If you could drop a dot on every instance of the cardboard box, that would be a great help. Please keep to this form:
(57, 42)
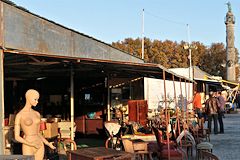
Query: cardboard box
(51, 131)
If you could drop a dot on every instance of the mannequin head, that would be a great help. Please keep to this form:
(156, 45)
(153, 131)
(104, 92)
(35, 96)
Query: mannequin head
(32, 97)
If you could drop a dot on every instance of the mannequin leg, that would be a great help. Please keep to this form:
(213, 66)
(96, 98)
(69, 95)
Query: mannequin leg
(38, 153)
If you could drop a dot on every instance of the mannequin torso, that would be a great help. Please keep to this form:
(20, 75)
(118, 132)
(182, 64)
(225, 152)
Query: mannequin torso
(29, 121)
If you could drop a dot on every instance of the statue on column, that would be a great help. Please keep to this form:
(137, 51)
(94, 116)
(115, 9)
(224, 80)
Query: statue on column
(28, 120)
(229, 6)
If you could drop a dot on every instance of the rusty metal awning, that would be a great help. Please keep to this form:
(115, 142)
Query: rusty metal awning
(28, 66)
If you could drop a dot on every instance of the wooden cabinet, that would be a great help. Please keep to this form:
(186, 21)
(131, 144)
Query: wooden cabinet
(137, 111)
(88, 126)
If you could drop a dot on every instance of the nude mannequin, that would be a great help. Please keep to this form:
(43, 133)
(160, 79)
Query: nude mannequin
(29, 121)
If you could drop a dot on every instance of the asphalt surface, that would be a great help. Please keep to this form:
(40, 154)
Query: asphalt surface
(227, 146)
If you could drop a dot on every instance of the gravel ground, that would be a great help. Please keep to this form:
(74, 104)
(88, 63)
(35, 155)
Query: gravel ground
(227, 146)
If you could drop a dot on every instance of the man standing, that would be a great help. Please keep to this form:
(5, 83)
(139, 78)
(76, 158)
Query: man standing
(212, 108)
(221, 111)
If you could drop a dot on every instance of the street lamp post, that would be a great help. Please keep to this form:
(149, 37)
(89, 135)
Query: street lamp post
(143, 35)
(189, 47)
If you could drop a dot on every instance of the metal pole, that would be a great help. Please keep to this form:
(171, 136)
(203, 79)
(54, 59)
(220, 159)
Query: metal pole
(166, 113)
(72, 104)
(190, 52)
(182, 104)
(190, 63)
(1, 103)
(143, 34)
(190, 47)
(108, 101)
(186, 95)
(174, 88)
(2, 137)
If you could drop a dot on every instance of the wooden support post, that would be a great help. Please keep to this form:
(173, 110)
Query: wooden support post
(1, 103)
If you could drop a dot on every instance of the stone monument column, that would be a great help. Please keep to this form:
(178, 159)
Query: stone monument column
(230, 67)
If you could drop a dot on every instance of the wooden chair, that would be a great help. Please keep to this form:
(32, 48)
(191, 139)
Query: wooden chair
(186, 141)
(175, 152)
(203, 146)
(205, 155)
(140, 152)
(65, 129)
(66, 147)
(204, 134)
(112, 130)
(67, 144)
(200, 134)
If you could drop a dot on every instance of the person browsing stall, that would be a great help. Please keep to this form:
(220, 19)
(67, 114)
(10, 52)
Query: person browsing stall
(221, 111)
(212, 109)
(197, 106)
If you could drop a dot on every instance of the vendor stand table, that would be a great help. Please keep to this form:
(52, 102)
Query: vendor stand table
(99, 153)
(142, 140)
(14, 157)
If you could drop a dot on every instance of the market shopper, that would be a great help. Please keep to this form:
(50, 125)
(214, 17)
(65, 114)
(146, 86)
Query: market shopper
(197, 106)
(212, 108)
(28, 120)
(221, 111)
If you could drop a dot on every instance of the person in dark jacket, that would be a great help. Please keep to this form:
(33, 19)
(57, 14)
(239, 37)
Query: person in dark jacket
(221, 111)
(212, 109)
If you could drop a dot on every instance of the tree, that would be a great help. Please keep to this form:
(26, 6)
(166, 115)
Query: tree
(171, 54)
(214, 60)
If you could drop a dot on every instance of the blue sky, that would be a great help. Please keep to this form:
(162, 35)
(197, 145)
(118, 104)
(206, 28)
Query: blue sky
(113, 20)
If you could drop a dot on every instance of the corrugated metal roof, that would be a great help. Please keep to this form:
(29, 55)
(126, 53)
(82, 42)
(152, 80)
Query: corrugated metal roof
(26, 10)
(198, 73)
(146, 69)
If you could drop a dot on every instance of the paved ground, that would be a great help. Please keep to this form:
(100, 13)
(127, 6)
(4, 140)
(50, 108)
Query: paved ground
(227, 146)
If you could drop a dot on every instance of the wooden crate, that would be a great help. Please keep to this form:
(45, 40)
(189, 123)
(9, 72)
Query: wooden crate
(51, 131)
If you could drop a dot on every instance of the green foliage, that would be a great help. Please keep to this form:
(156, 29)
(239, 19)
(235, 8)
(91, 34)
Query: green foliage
(214, 60)
(211, 59)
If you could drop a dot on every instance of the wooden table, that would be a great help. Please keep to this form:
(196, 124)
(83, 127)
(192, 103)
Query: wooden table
(139, 145)
(140, 142)
(99, 153)
(13, 157)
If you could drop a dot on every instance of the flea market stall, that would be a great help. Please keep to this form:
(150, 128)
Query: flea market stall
(39, 53)
(76, 75)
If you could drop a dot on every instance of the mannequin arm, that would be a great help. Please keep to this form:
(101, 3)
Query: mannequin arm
(50, 144)
(42, 138)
